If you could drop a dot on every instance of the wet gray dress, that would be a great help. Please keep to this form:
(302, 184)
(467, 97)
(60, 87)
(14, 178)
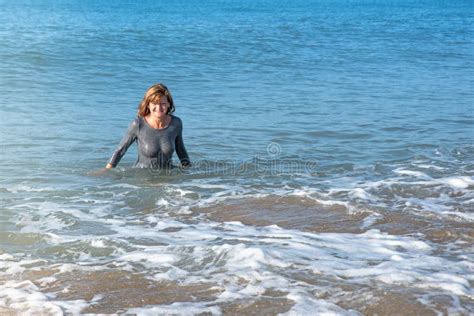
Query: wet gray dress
(155, 146)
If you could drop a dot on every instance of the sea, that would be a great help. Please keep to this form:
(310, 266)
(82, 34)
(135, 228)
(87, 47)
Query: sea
(332, 144)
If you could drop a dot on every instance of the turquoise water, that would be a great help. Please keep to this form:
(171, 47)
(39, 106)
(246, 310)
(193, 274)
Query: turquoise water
(360, 110)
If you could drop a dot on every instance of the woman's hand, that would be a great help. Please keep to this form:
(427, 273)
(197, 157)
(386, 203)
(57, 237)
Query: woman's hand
(100, 171)
(186, 165)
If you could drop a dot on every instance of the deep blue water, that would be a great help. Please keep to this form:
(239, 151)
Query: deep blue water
(243, 74)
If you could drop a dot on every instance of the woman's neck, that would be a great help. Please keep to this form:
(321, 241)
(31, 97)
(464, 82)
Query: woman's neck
(158, 122)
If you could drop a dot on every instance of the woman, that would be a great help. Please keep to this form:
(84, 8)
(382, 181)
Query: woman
(157, 132)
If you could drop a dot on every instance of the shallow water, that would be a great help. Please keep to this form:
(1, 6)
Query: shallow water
(332, 145)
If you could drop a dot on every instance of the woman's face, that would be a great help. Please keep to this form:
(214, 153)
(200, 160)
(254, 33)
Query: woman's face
(159, 107)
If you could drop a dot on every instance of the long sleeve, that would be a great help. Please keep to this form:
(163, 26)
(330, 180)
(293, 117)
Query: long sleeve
(127, 140)
(180, 149)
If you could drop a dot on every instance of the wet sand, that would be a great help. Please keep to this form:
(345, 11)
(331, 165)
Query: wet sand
(305, 214)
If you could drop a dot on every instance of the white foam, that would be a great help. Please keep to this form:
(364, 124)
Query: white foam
(152, 219)
(151, 256)
(15, 269)
(458, 182)
(162, 202)
(416, 174)
(97, 298)
(425, 166)
(456, 206)
(396, 278)
(184, 308)
(27, 188)
(370, 220)
(70, 267)
(119, 186)
(243, 262)
(305, 304)
(359, 193)
(98, 243)
(12, 265)
(6, 256)
(46, 280)
(72, 307)
(25, 298)
(252, 258)
(435, 205)
(401, 260)
(253, 290)
(173, 273)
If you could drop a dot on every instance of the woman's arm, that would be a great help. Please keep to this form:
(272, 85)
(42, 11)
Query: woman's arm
(127, 140)
(180, 149)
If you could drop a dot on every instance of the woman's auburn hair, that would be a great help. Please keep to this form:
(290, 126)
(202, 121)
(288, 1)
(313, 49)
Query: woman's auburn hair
(154, 93)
